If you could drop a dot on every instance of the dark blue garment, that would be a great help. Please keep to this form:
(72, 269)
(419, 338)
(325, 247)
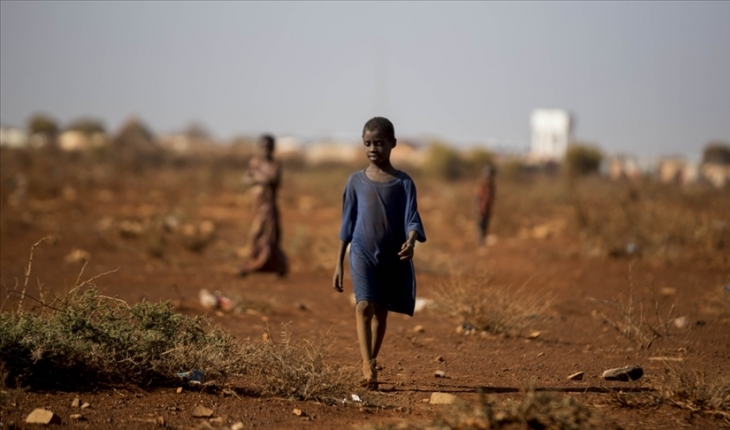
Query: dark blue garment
(376, 219)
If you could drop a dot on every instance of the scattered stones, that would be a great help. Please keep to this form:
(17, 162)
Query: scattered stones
(237, 426)
(42, 416)
(76, 403)
(534, 335)
(626, 373)
(201, 411)
(442, 399)
(298, 412)
(418, 329)
(77, 417)
(86, 405)
(578, 376)
(440, 374)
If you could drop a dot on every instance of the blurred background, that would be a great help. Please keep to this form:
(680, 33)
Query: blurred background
(641, 79)
(606, 122)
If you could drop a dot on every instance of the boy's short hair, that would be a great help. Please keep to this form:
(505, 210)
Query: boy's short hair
(381, 124)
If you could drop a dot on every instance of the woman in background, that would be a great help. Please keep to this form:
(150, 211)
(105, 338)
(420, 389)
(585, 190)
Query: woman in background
(264, 176)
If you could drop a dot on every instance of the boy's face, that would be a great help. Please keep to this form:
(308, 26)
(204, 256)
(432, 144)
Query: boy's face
(377, 146)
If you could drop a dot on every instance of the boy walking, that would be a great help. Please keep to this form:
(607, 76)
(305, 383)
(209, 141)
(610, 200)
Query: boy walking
(380, 222)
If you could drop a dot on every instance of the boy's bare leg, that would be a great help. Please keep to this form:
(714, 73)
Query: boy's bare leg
(380, 321)
(364, 312)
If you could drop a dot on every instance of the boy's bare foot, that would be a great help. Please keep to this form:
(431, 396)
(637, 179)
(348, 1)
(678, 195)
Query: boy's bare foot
(370, 376)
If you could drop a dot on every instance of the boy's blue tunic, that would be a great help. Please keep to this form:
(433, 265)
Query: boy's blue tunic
(376, 219)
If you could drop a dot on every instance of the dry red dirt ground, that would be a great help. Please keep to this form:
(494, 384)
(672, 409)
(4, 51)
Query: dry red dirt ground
(572, 339)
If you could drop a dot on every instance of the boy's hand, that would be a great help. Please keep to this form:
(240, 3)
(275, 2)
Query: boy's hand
(406, 251)
(337, 279)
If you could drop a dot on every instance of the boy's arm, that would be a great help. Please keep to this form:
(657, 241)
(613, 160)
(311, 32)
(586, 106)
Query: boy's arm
(337, 279)
(407, 249)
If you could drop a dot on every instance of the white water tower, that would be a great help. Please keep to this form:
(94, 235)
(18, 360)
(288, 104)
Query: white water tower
(552, 132)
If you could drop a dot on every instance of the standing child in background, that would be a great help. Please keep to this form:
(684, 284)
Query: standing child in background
(484, 200)
(264, 177)
(380, 221)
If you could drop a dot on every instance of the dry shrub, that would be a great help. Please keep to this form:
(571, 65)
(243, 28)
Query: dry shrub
(641, 320)
(84, 339)
(87, 339)
(694, 391)
(477, 301)
(297, 367)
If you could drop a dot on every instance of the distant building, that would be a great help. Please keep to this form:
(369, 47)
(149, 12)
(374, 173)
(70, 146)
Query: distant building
(716, 174)
(333, 152)
(623, 166)
(408, 153)
(13, 137)
(289, 147)
(677, 170)
(552, 132)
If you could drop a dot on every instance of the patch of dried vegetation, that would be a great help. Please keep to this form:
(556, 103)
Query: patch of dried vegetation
(476, 300)
(640, 319)
(694, 391)
(298, 368)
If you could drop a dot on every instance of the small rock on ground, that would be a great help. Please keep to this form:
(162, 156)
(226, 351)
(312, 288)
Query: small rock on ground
(201, 411)
(442, 399)
(578, 376)
(440, 374)
(86, 405)
(42, 416)
(626, 373)
(237, 426)
(76, 403)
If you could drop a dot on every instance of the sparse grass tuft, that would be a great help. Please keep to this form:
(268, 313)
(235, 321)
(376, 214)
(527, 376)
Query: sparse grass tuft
(694, 391)
(640, 320)
(475, 300)
(298, 367)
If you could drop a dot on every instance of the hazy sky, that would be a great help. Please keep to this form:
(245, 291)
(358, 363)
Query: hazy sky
(643, 77)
